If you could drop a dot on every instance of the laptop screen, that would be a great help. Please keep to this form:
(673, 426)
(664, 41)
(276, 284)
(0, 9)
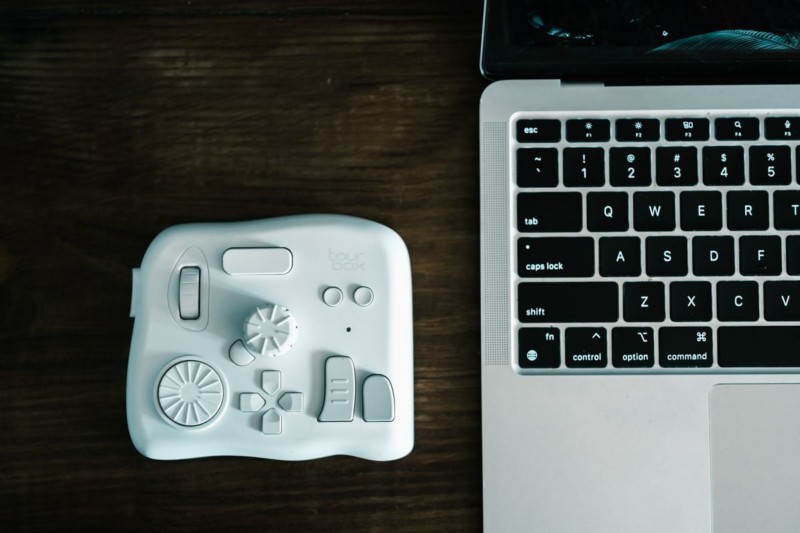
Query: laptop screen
(635, 39)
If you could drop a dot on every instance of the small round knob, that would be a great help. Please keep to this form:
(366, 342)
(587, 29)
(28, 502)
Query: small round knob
(270, 330)
(190, 393)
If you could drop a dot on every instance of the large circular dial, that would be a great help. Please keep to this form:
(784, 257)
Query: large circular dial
(270, 330)
(190, 393)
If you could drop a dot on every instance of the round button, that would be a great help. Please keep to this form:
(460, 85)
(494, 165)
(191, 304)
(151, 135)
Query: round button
(190, 393)
(270, 330)
(332, 296)
(363, 296)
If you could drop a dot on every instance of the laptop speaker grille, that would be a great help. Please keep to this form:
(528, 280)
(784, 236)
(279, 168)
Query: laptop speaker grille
(494, 244)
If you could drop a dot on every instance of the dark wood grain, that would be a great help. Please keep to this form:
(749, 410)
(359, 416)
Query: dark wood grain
(118, 119)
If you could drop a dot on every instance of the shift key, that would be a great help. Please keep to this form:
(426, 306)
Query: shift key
(581, 301)
(542, 212)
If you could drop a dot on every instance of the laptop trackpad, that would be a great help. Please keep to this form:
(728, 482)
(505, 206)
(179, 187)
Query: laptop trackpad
(755, 457)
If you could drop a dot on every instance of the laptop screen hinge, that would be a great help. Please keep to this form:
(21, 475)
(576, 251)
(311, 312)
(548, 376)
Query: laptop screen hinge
(582, 83)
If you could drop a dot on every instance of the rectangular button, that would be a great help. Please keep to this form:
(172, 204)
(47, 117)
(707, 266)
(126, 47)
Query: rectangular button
(549, 212)
(273, 261)
(782, 128)
(686, 129)
(754, 346)
(189, 293)
(687, 347)
(736, 129)
(538, 131)
(539, 348)
(588, 130)
(588, 301)
(556, 257)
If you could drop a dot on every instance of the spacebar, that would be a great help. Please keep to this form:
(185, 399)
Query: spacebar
(583, 301)
(751, 346)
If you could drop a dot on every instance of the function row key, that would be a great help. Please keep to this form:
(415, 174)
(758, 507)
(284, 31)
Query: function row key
(648, 129)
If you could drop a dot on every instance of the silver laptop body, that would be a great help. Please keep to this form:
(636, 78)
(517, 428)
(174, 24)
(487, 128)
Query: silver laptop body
(678, 445)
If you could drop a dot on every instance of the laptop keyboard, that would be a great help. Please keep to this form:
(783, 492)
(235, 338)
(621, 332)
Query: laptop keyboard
(655, 242)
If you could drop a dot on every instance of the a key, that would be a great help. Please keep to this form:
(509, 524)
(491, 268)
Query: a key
(760, 256)
(793, 255)
(629, 167)
(736, 129)
(584, 167)
(787, 209)
(620, 256)
(643, 301)
(737, 301)
(555, 257)
(539, 348)
(666, 256)
(676, 166)
(748, 210)
(588, 130)
(701, 211)
(632, 347)
(686, 129)
(782, 128)
(690, 301)
(723, 165)
(585, 348)
(685, 347)
(572, 301)
(537, 167)
(654, 211)
(538, 131)
(770, 165)
(637, 129)
(607, 211)
(544, 212)
(782, 300)
(713, 256)
(758, 346)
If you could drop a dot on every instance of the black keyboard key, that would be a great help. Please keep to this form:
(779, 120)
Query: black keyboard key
(537, 167)
(629, 167)
(736, 129)
(584, 167)
(539, 348)
(543, 212)
(607, 211)
(686, 129)
(556, 257)
(585, 348)
(538, 131)
(760, 256)
(737, 301)
(685, 347)
(588, 130)
(770, 165)
(723, 165)
(701, 211)
(690, 301)
(782, 300)
(787, 209)
(713, 256)
(643, 301)
(620, 256)
(654, 211)
(637, 129)
(666, 256)
(569, 301)
(782, 128)
(748, 210)
(676, 166)
(758, 346)
(632, 347)
(793, 255)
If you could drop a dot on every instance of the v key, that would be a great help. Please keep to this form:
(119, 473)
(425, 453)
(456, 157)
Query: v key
(782, 300)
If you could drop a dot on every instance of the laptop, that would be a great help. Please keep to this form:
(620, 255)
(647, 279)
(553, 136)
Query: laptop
(640, 266)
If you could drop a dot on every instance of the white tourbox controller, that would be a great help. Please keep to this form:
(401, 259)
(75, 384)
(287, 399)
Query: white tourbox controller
(289, 338)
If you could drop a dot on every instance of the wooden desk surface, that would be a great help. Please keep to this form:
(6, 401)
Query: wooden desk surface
(119, 119)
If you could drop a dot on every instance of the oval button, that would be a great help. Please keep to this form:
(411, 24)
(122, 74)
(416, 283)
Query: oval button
(257, 261)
